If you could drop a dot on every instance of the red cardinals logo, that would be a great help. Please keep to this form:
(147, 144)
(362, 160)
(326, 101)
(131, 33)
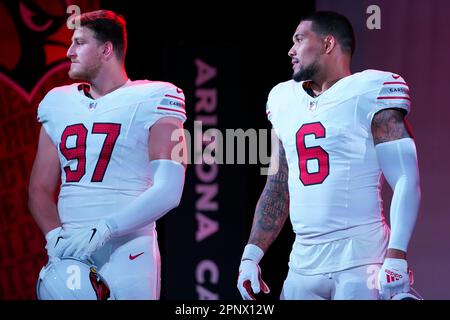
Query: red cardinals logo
(34, 39)
(99, 285)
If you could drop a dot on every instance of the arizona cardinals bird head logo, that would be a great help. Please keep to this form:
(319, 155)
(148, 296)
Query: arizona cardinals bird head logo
(34, 38)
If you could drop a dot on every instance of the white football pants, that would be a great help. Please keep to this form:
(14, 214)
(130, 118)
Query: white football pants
(359, 283)
(131, 265)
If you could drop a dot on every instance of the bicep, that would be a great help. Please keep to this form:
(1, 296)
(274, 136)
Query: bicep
(167, 140)
(278, 164)
(388, 125)
(46, 170)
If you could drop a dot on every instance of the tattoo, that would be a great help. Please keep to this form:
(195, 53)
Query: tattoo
(389, 125)
(272, 209)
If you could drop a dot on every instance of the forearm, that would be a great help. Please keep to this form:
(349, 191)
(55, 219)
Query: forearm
(272, 209)
(44, 181)
(404, 208)
(44, 210)
(398, 161)
(397, 157)
(271, 213)
(164, 195)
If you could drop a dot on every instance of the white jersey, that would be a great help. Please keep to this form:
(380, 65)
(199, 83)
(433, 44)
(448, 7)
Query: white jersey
(103, 144)
(334, 177)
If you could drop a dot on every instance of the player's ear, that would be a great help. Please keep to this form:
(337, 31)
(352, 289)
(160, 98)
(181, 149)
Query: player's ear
(108, 50)
(329, 43)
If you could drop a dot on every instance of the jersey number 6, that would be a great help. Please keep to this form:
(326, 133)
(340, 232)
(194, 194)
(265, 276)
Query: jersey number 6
(78, 152)
(306, 154)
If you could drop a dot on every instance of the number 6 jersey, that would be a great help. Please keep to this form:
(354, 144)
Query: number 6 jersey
(103, 144)
(334, 177)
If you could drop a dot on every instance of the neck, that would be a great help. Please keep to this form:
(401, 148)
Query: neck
(324, 80)
(107, 81)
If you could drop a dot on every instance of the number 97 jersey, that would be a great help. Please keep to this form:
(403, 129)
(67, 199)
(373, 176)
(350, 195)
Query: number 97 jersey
(103, 144)
(334, 177)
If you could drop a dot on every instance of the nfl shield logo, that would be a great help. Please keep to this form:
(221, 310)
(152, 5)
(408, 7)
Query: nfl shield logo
(313, 105)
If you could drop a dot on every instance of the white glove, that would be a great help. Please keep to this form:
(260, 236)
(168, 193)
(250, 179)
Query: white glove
(83, 242)
(249, 279)
(55, 243)
(393, 278)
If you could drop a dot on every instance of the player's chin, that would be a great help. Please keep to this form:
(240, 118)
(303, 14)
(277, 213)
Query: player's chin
(297, 75)
(75, 74)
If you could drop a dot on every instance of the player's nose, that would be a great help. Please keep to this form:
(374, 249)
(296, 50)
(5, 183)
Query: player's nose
(292, 52)
(70, 52)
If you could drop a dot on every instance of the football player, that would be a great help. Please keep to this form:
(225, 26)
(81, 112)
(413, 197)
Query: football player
(109, 141)
(339, 133)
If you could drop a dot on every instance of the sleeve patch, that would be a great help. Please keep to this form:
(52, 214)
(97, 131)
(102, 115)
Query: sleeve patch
(394, 90)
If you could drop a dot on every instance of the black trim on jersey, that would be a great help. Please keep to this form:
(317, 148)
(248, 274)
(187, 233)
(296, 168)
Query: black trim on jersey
(308, 89)
(403, 110)
(86, 89)
(304, 144)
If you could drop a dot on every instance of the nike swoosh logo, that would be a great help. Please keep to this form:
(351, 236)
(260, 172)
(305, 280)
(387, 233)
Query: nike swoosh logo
(395, 77)
(94, 231)
(57, 240)
(134, 257)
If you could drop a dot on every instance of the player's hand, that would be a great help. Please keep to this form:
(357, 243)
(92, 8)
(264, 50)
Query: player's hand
(393, 278)
(250, 281)
(85, 241)
(56, 243)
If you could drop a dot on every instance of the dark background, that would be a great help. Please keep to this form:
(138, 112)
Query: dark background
(248, 48)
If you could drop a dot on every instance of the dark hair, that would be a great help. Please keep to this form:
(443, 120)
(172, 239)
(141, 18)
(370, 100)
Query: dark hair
(335, 24)
(107, 26)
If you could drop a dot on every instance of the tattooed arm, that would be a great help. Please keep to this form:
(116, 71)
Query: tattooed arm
(398, 161)
(272, 209)
(271, 212)
(388, 125)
